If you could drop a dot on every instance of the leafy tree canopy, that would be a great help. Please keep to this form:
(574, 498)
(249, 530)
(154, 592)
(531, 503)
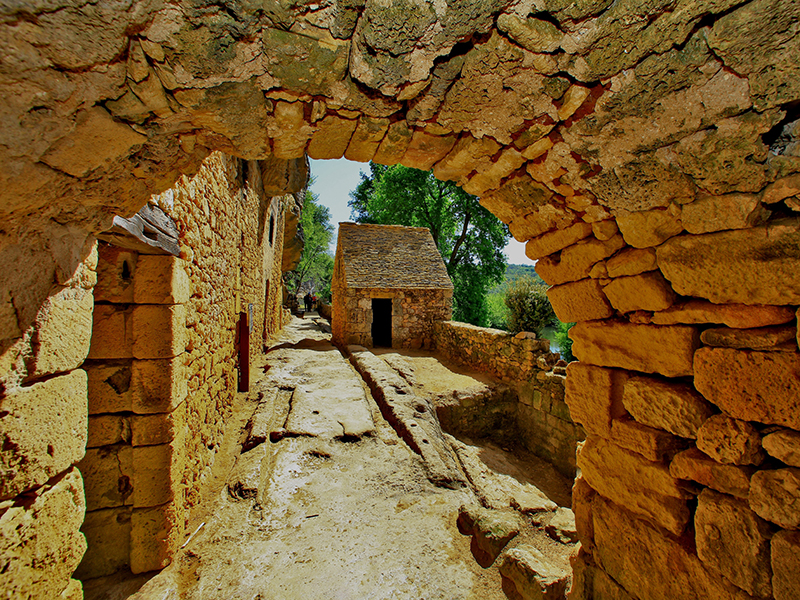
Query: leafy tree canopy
(314, 272)
(469, 237)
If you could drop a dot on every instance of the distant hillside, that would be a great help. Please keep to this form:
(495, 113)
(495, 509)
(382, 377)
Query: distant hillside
(514, 272)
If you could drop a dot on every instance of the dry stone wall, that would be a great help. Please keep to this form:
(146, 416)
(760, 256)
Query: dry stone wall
(524, 363)
(646, 152)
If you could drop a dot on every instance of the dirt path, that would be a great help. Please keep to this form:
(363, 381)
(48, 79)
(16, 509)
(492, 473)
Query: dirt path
(327, 502)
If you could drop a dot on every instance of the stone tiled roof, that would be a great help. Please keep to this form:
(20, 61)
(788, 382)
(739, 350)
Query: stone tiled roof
(390, 256)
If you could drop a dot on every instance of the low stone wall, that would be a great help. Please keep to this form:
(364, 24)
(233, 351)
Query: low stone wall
(525, 364)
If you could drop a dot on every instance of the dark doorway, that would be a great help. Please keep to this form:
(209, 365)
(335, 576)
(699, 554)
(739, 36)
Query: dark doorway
(382, 322)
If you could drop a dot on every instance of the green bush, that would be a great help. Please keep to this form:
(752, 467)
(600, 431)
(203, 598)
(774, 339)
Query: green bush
(564, 341)
(528, 307)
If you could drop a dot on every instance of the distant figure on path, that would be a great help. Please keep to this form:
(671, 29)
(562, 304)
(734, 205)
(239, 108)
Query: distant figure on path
(307, 300)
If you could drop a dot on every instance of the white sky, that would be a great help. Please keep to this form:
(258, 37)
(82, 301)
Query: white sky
(335, 179)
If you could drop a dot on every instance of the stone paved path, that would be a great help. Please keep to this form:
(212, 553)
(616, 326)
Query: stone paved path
(332, 505)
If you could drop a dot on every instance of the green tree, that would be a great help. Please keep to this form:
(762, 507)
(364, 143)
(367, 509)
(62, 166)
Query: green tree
(564, 341)
(469, 237)
(314, 272)
(528, 306)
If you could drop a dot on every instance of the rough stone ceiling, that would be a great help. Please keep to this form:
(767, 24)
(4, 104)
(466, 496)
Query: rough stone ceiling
(552, 111)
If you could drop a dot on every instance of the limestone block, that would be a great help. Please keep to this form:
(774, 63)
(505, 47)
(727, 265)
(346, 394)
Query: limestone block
(425, 150)
(489, 176)
(572, 100)
(366, 139)
(555, 241)
(112, 332)
(760, 338)
(648, 348)
(160, 279)
(582, 496)
(594, 396)
(73, 591)
(650, 227)
(40, 539)
(783, 445)
(605, 230)
(157, 472)
(466, 153)
(648, 291)
(786, 565)
(654, 444)
(752, 386)
(61, 333)
(649, 564)
(159, 331)
(734, 542)
(644, 487)
(693, 465)
(290, 129)
(105, 430)
(331, 138)
(775, 496)
(740, 316)
(491, 531)
(532, 575)
(155, 535)
(108, 535)
(748, 266)
(116, 268)
(717, 213)
(108, 476)
(532, 34)
(158, 428)
(781, 189)
(730, 441)
(43, 431)
(582, 300)
(394, 144)
(668, 405)
(157, 386)
(575, 262)
(109, 386)
(632, 261)
(97, 138)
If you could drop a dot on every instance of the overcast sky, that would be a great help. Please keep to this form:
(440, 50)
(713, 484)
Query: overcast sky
(335, 179)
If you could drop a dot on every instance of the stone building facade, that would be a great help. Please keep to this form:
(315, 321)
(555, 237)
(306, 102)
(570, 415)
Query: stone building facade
(389, 286)
(658, 188)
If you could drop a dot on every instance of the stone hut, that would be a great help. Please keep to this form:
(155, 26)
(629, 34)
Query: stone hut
(389, 286)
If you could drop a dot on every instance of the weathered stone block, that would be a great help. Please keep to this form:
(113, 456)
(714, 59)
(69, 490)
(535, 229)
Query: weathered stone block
(693, 465)
(40, 542)
(717, 213)
(644, 487)
(761, 338)
(582, 300)
(752, 386)
(730, 441)
(734, 542)
(112, 332)
(331, 138)
(157, 386)
(532, 576)
(159, 331)
(109, 387)
(108, 535)
(425, 150)
(650, 564)
(61, 333)
(748, 266)
(668, 405)
(116, 268)
(157, 472)
(649, 348)
(158, 428)
(160, 279)
(650, 227)
(108, 476)
(105, 430)
(582, 496)
(783, 445)
(786, 565)
(576, 261)
(43, 431)
(632, 261)
(394, 144)
(594, 396)
(557, 240)
(366, 138)
(648, 291)
(733, 315)
(654, 444)
(155, 535)
(775, 496)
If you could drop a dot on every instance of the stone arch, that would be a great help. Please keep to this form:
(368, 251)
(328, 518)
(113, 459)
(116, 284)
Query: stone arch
(645, 153)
